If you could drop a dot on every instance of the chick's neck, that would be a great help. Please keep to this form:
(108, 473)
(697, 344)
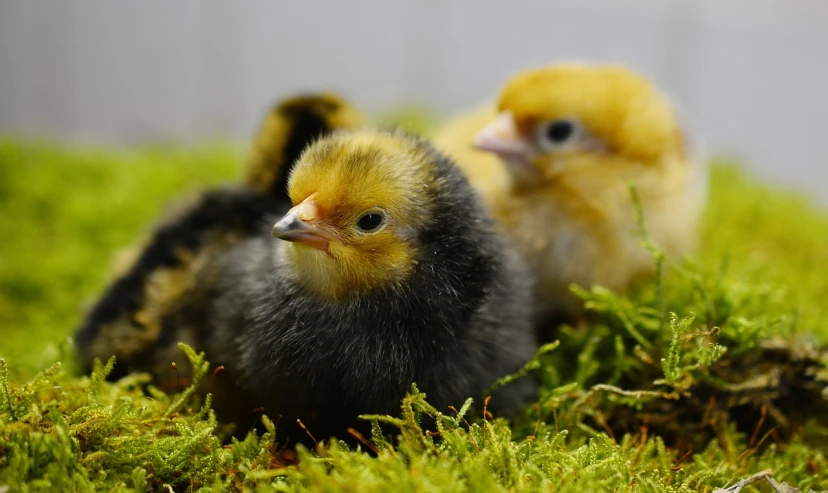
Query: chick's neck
(345, 273)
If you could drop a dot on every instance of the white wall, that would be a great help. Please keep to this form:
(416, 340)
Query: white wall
(751, 76)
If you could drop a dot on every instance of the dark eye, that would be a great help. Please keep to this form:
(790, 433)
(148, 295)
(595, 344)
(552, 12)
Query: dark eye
(559, 131)
(371, 221)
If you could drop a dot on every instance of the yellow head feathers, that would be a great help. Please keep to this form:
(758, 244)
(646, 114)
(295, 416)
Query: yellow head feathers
(617, 106)
(353, 172)
(359, 199)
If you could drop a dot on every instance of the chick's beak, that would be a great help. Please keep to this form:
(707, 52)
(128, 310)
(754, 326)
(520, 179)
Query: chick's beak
(502, 137)
(297, 226)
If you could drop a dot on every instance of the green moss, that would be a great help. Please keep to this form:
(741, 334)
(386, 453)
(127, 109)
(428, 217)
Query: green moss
(78, 434)
(712, 374)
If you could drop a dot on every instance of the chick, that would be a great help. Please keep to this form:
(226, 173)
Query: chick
(569, 139)
(126, 321)
(385, 272)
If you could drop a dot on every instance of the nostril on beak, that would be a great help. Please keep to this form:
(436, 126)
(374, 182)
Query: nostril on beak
(285, 225)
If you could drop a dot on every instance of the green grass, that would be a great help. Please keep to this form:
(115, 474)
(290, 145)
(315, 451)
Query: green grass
(640, 401)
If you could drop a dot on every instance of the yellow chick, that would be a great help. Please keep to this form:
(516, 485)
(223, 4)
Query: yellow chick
(553, 159)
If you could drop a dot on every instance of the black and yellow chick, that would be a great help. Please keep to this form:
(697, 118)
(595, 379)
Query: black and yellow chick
(127, 320)
(386, 272)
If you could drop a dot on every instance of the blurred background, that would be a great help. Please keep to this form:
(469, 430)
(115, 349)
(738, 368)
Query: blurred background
(749, 76)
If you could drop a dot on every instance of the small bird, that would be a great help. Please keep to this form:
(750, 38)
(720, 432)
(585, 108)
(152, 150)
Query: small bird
(127, 320)
(385, 272)
(553, 159)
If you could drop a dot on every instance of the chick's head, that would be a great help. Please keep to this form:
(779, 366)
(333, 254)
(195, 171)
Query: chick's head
(288, 128)
(359, 201)
(563, 117)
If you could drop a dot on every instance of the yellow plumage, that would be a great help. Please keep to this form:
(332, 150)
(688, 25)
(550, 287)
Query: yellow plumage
(553, 159)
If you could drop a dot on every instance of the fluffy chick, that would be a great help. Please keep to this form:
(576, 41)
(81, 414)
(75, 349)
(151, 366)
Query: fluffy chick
(127, 320)
(385, 272)
(553, 159)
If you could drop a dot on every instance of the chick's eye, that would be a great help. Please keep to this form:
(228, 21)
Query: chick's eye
(370, 221)
(560, 131)
(557, 133)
